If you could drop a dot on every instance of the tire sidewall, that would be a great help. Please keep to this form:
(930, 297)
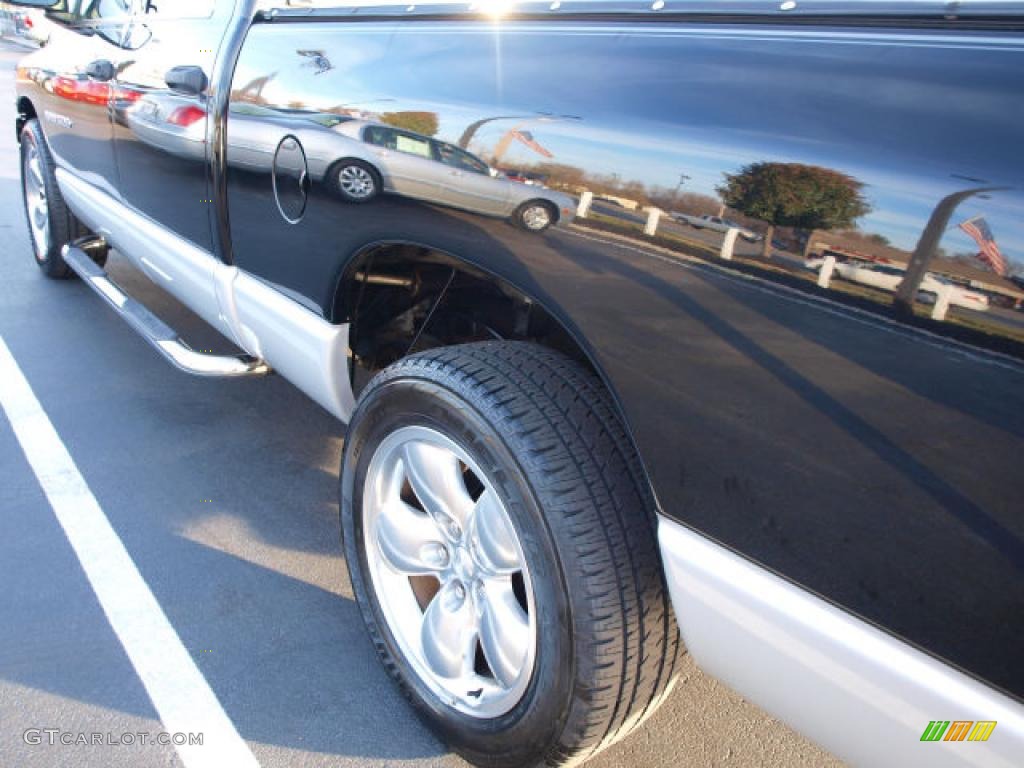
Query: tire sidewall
(539, 716)
(29, 141)
(51, 261)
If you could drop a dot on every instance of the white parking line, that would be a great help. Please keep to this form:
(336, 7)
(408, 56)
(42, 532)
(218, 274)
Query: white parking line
(178, 690)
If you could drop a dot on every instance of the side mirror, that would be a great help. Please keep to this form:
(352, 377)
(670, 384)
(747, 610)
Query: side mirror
(136, 37)
(188, 80)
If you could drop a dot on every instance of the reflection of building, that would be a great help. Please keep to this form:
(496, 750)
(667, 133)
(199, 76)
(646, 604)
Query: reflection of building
(956, 271)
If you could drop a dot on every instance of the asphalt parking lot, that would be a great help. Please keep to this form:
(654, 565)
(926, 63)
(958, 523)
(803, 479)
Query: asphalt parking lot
(224, 497)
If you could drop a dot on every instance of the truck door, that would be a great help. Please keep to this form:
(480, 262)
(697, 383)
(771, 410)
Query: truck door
(159, 109)
(75, 73)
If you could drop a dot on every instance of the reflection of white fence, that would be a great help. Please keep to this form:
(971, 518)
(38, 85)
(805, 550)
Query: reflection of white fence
(825, 273)
(942, 302)
(728, 243)
(653, 216)
(586, 199)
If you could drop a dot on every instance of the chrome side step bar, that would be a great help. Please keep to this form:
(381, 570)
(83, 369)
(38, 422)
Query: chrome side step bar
(161, 336)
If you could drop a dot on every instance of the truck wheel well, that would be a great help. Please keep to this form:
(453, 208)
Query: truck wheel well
(401, 298)
(26, 112)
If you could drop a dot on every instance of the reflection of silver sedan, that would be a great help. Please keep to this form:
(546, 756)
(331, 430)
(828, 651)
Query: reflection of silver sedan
(168, 122)
(358, 160)
(716, 223)
(395, 160)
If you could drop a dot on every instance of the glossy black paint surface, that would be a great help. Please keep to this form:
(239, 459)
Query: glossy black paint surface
(72, 106)
(160, 134)
(132, 135)
(873, 465)
(866, 463)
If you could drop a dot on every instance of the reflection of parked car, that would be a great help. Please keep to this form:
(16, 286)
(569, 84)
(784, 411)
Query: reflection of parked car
(396, 160)
(30, 25)
(165, 121)
(359, 159)
(888, 278)
(718, 224)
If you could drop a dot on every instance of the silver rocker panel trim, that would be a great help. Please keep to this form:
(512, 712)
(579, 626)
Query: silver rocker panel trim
(300, 345)
(857, 691)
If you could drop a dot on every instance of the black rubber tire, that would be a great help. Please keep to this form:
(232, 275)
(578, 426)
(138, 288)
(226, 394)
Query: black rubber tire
(517, 217)
(335, 173)
(545, 432)
(63, 227)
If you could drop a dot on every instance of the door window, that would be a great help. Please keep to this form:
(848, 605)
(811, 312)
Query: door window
(399, 141)
(464, 161)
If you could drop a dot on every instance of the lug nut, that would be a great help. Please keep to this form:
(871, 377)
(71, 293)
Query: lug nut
(436, 554)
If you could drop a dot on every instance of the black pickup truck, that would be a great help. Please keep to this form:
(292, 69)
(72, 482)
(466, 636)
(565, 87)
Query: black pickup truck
(576, 447)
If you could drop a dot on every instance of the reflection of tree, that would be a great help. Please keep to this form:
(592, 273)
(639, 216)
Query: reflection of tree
(424, 123)
(794, 195)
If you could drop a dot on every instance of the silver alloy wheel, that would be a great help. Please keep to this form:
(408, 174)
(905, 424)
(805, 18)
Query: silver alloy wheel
(448, 571)
(356, 181)
(536, 217)
(35, 202)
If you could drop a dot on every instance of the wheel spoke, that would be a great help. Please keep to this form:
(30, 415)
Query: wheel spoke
(36, 173)
(409, 540)
(448, 571)
(504, 631)
(449, 633)
(436, 479)
(493, 539)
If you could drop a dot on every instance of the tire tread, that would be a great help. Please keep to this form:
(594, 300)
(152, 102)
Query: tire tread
(576, 453)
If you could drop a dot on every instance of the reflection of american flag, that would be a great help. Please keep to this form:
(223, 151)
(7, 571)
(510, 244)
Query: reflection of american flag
(989, 253)
(527, 138)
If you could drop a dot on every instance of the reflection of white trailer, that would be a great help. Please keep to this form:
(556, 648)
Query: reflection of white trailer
(888, 278)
